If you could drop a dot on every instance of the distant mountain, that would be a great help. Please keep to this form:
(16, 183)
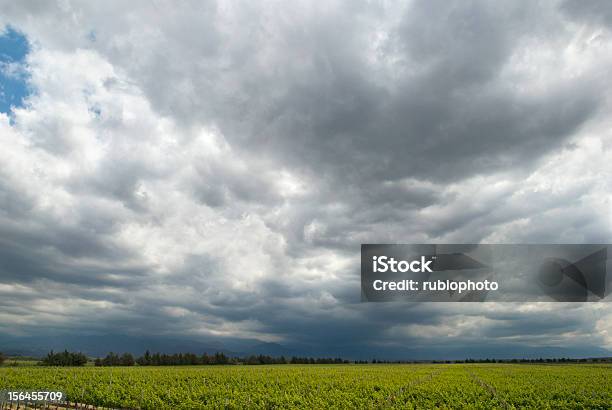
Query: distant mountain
(476, 352)
(100, 345)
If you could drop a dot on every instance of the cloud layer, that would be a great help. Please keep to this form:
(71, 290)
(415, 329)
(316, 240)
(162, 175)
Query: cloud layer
(208, 170)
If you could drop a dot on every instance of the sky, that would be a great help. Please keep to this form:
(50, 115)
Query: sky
(203, 173)
(13, 80)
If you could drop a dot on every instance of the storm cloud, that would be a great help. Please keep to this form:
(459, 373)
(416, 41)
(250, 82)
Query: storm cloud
(208, 170)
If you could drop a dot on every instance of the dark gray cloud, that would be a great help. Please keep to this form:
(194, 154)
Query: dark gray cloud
(316, 97)
(207, 171)
(591, 11)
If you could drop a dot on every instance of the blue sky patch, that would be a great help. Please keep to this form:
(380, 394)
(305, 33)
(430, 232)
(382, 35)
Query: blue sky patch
(13, 78)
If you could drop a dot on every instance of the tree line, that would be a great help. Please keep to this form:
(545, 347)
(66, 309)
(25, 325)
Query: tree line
(64, 358)
(524, 361)
(67, 358)
(219, 358)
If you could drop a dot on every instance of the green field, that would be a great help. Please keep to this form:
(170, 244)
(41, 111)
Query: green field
(326, 386)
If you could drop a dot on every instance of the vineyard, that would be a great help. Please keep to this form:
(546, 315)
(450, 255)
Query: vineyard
(325, 386)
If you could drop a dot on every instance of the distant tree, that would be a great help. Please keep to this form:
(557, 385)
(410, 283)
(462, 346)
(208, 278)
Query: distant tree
(127, 360)
(2, 357)
(112, 359)
(205, 359)
(144, 360)
(65, 358)
(220, 358)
